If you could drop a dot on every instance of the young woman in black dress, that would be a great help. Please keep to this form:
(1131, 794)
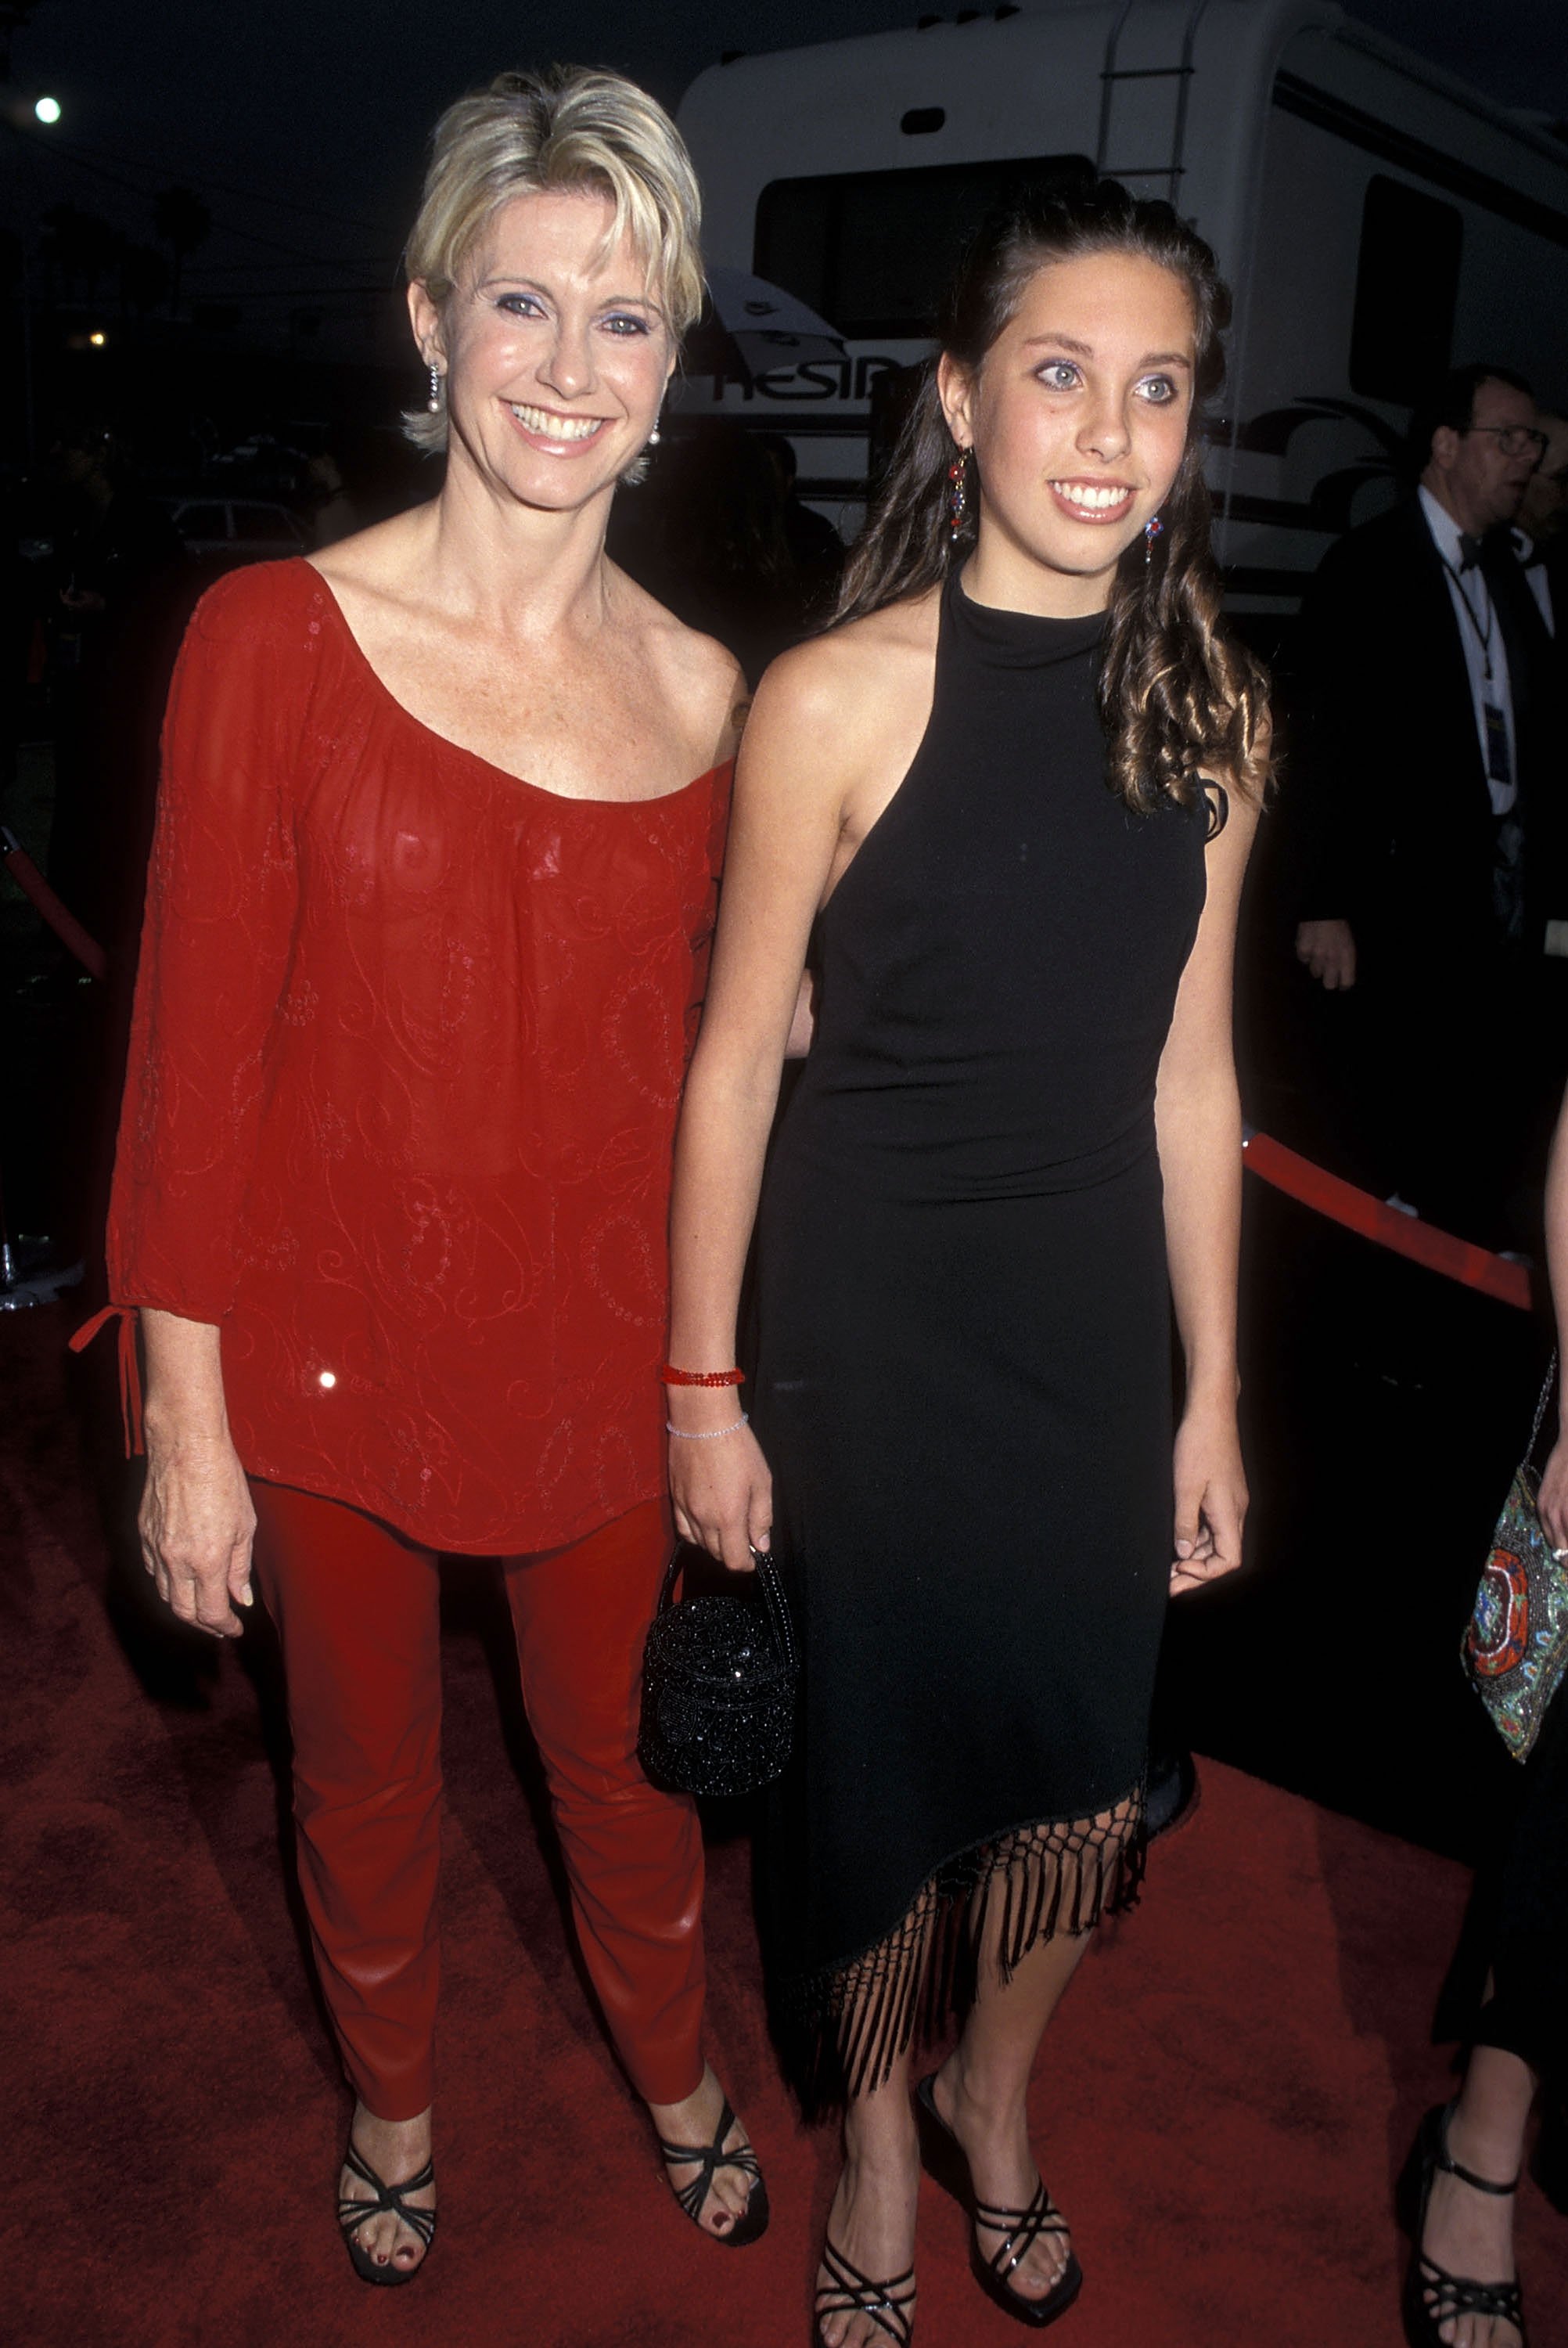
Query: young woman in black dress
(1002, 810)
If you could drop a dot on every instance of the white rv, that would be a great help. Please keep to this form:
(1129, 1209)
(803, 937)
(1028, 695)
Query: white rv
(1378, 221)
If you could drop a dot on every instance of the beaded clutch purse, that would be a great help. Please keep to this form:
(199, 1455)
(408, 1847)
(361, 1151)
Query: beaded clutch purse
(719, 1676)
(1515, 1646)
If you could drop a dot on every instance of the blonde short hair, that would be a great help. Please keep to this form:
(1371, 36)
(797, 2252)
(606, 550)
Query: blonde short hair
(569, 127)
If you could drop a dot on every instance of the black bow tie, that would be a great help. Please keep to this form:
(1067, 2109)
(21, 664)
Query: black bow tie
(1470, 551)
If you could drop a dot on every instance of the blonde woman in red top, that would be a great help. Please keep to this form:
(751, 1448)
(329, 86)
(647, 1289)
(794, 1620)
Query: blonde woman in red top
(430, 903)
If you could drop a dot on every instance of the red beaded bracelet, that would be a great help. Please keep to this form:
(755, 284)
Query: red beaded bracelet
(671, 1377)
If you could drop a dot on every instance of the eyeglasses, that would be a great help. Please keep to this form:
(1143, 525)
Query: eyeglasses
(1515, 439)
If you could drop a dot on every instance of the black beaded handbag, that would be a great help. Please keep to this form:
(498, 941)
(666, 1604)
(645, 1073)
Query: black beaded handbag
(719, 1681)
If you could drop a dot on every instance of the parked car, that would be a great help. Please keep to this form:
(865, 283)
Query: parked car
(235, 530)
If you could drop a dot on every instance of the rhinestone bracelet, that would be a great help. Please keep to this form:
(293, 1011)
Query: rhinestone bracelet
(707, 1434)
(671, 1377)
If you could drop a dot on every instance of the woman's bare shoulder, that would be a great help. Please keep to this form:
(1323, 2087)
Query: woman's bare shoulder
(382, 559)
(698, 662)
(703, 677)
(852, 675)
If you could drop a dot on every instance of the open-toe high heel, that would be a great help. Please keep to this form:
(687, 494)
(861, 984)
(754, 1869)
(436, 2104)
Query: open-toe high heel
(352, 2215)
(848, 2291)
(1432, 2295)
(710, 2158)
(1019, 2229)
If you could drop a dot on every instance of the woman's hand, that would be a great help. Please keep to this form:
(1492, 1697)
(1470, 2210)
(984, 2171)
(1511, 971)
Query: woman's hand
(197, 1524)
(1551, 1503)
(724, 1494)
(1328, 951)
(1211, 1497)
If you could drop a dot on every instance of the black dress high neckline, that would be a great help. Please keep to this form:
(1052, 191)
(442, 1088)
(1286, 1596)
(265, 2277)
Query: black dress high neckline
(1004, 639)
(963, 1387)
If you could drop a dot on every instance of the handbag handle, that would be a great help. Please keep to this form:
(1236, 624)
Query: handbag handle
(1541, 1410)
(775, 1605)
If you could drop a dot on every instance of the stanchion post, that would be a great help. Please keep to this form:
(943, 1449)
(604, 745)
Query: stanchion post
(9, 1282)
(18, 1290)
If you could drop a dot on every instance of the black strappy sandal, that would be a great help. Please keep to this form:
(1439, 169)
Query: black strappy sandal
(352, 2215)
(754, 2225)
(848, 2291)
(1432, 2295)
(1020, 2229)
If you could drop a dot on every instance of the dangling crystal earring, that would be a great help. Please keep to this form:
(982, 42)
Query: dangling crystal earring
(1152, 529)
(433, 403)
(957, 492)
(653, 437)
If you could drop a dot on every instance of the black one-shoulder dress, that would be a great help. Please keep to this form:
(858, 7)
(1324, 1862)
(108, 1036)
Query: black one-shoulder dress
(964, 1377)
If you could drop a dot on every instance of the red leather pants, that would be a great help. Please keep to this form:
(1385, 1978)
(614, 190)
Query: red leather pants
(355, 1606)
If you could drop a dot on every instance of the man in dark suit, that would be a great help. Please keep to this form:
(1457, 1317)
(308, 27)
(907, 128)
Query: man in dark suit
(1541, 541)
(1423, 724)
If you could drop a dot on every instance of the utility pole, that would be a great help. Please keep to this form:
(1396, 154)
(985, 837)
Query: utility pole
(14, 14)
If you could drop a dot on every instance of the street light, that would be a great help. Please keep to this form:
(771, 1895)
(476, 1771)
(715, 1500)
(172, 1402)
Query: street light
(47, 109)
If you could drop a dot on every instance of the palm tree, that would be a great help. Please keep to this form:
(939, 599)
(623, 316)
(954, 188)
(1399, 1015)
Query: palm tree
(183, 223)
(145, 277)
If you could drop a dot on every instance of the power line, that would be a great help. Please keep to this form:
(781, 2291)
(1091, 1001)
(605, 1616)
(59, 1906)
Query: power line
(220, 187)
(82, 159)
(305, 293)
(206, 269)
(254, 196)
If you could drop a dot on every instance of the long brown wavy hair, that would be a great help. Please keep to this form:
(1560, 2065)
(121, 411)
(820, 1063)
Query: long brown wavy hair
(1181, 698)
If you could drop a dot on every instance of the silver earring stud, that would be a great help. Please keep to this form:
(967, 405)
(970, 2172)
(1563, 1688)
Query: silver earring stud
(433, 403)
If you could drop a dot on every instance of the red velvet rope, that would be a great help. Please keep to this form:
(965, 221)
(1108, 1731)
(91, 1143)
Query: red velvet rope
(66, 926)
(1406, 1235)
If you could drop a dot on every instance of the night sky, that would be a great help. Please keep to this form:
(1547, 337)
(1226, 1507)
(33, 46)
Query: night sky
(302, 122)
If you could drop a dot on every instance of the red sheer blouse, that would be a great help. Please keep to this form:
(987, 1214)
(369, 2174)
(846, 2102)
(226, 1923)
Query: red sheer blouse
(408, 1044)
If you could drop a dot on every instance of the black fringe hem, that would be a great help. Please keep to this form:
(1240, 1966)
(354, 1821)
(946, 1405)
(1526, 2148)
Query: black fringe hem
(842, 2028)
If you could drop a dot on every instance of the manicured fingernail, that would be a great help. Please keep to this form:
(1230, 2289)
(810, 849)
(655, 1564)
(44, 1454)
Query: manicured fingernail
(1183, 1548)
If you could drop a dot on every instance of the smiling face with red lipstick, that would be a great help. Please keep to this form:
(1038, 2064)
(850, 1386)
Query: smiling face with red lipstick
(555, 349)
(1078, 419)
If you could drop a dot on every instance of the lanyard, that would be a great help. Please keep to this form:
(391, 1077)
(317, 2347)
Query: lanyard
(1482, 637)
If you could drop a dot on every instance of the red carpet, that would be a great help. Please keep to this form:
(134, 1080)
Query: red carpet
(1225, 2102)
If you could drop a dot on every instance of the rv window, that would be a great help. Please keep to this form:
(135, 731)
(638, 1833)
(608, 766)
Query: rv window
(1406, 286)
(871, 250)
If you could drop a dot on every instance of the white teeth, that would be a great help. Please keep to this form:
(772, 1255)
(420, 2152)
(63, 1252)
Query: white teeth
(1079, 493)
(555, 428)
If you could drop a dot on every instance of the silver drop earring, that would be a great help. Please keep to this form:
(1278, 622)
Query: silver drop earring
(653, 437)
(1152, 529)
(433, 403)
